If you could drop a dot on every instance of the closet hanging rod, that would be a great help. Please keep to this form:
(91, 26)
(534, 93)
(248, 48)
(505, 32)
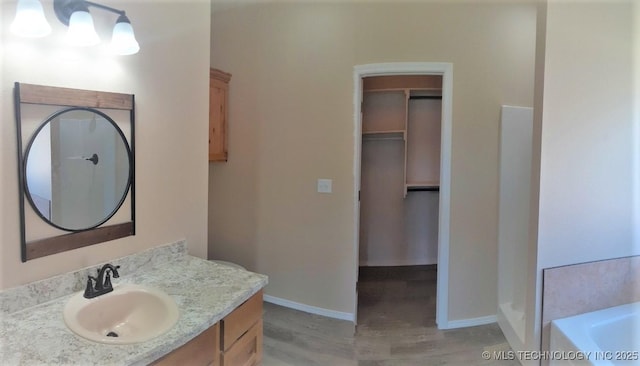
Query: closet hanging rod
(423, 189)
(425, 97)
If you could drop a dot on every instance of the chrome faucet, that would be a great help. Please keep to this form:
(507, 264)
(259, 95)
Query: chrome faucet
(102, 282)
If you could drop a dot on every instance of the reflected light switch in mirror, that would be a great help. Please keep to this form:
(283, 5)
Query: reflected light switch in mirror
(324, 185)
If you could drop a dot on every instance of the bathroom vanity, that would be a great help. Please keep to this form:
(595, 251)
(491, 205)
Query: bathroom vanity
(234, 341)
(220, 321)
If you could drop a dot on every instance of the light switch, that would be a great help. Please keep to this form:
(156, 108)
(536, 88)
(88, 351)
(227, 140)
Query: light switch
(324, 185)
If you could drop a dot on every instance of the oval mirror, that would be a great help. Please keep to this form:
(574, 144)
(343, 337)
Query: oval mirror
(77, 169)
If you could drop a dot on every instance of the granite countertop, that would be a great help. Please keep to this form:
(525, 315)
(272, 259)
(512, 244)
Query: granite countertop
(33, 332)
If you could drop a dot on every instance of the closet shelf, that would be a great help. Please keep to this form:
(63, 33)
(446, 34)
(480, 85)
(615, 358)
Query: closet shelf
(416, 97)
(384, 90)
(390, 134)
(412, 91)
(425, 91)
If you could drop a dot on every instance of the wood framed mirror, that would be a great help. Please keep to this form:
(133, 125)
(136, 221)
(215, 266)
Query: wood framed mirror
(76, 167)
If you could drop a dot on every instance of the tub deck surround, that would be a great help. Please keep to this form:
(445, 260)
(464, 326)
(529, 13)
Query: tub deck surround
(585, 287)
(204, 291)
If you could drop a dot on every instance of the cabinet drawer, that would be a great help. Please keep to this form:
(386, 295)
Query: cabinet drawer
(240, 320)
(247, 351)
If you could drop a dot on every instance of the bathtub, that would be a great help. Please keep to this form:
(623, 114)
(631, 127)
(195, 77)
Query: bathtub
(605, 337)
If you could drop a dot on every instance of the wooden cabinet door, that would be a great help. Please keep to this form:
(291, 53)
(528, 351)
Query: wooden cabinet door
(203, 350)
(234, 341)
(247, 350)
(241, 334)
(218, 105)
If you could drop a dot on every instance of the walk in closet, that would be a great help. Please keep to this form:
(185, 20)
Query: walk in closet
(400, 170)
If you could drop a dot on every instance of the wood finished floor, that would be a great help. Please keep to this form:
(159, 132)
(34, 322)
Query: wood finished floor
(396, 327)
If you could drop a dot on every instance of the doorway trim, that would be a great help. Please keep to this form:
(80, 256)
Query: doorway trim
(444, 215)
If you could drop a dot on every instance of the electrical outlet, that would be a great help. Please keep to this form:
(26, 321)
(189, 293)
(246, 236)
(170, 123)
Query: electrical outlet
(324, 185)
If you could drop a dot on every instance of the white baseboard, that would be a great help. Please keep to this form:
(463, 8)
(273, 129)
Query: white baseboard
(310, 309)
(471, 322)
(512, 325)
(398, 262)
(452, 324)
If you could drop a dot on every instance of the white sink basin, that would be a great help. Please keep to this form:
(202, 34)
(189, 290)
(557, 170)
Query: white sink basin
(128, 314)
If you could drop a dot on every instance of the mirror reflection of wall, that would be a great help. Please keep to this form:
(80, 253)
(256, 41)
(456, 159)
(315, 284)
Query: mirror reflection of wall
(77, 169)
(39, 172)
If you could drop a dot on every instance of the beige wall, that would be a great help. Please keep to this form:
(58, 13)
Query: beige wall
(636, 73)
(585, 142)
(291, 122)
(532, 315)
(169, 77)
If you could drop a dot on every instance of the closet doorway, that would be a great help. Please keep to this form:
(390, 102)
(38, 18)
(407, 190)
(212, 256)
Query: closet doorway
(402, 168)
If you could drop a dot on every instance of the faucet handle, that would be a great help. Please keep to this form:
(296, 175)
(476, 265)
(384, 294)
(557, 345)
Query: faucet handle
(107, 280)
(89, 290)
(115, 273)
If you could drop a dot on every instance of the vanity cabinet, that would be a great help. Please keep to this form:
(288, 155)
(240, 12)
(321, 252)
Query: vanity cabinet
(241, 334)
(234, 341)
(218, 114)
(203, 350)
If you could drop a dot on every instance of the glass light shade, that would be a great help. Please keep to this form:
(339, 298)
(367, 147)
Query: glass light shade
(81, 31)
(30, 20)
(123, 41)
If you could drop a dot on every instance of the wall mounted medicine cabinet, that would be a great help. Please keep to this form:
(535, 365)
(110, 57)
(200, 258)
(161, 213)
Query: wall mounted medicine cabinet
(75, 168)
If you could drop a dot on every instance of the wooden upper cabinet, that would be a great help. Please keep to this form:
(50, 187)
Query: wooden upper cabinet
(218, 112)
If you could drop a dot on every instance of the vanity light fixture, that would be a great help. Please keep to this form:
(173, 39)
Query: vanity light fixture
(30, 22)
(123, 42)
(81, 31)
